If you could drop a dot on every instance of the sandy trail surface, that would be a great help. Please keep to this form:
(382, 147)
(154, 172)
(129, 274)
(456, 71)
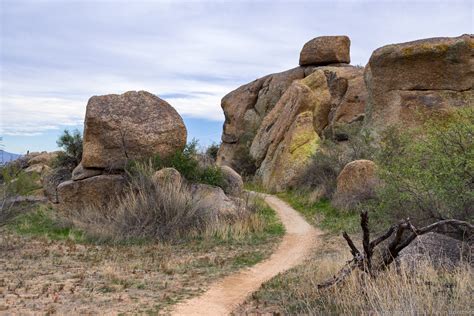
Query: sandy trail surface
(226, 294)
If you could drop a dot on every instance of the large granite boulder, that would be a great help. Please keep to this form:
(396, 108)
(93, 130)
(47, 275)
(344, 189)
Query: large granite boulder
(437, 250)
(326, 50)
(132, 125)
(244, 110)
(286, 138)
(356, 182)
(406, 81)
(274, 123)
(233, 183)
(95, 192)
(310, 109)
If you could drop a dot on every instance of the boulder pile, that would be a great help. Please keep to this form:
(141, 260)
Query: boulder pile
(277, 122)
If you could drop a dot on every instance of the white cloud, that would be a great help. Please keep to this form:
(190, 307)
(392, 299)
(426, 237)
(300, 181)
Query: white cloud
(55, 55)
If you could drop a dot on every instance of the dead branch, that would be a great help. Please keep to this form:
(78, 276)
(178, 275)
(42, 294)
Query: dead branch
(399, 241)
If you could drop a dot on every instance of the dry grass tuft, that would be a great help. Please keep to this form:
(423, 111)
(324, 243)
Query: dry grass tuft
(428, 291)
(152, 210)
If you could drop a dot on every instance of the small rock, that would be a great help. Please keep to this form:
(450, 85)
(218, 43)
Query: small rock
(233, 183)
(356, 182)
(80, 173)
(168, 175)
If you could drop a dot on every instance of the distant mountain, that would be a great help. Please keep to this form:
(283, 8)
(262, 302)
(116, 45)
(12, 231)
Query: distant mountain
(6, 156)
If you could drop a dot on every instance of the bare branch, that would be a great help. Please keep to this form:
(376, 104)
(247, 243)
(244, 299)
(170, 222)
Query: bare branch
(364, 223)
(355, 252)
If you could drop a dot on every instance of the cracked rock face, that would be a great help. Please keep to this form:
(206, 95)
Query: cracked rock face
(132, 125)
(404, 80)
(290, 133)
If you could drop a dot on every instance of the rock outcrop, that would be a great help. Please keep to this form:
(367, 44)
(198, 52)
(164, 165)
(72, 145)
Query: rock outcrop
(245, 109)
(132, 125)
(45, 158)
(320, 105)
(268, 121)
(95, 192)
(326, 50)
(119, 128)
(271, 120)
(408, 80)
(356, 182)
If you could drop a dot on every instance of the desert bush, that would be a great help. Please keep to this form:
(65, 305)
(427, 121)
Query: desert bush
(148, 210)
(71, 143)
(330, 159)
(212, 151)
(14, 182)
(163, 211)
(428, 172)
(188, 163)
(244, 163)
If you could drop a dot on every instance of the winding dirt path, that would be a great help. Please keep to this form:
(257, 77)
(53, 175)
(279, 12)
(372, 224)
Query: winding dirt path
(226, 294)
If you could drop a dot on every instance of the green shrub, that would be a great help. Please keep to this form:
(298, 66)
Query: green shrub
(71, 143)
(17, 182)
(212, 151)
(330, 159)
(188, 164)
(428, 172)
(14, 182)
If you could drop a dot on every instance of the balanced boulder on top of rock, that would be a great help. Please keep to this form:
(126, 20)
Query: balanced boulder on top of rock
(326, 50)
(132, 125)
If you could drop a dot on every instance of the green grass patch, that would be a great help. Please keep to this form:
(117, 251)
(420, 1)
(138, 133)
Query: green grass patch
(248, 259)
(41, 223)
(322, 214)
(254, 186)
(273, 227)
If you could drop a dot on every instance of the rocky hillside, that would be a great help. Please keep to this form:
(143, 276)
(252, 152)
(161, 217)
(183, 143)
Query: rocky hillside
(274, 124)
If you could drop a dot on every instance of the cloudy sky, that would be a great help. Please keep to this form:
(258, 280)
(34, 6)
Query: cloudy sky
(57, 54)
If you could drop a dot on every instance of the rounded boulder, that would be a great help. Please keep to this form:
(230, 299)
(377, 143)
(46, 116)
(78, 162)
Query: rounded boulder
(132, 125)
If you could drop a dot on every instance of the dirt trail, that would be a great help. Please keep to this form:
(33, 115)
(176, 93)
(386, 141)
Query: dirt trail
(225, 295)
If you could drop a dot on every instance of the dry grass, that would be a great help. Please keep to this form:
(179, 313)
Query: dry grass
(429, 291)
(49, 269)
(164, 210)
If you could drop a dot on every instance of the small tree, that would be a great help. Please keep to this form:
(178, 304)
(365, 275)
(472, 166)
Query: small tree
(71, 143)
